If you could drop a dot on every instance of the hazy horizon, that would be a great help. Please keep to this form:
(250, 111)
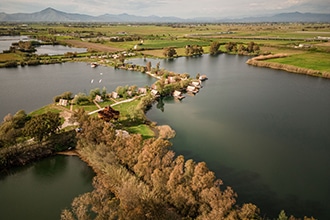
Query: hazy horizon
(175, 8)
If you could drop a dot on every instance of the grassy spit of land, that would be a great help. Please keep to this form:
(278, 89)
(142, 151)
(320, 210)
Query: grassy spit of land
(138, 177)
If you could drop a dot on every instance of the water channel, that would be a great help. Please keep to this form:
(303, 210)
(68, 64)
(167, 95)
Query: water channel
(264, 132)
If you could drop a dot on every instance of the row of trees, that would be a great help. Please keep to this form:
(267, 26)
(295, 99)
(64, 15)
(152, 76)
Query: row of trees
(249, 48)
(82, 98)
(194, 50)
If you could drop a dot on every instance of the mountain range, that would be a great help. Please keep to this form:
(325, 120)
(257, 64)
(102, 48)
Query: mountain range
(53, 15)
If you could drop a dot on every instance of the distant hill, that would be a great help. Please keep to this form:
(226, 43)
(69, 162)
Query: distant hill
(52, 15)
(290, 17)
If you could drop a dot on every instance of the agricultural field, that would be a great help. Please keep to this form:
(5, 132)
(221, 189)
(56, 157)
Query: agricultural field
(304, 42)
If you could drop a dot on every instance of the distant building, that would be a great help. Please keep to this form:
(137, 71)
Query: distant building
(192, 89)
(114, 95)
(155, 92)
(98, 98)
(177, 94)
(63, 102)
(142, 90)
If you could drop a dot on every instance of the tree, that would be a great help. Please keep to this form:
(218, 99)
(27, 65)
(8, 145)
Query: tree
(194, 50)
(214, 48)
(121, 58)
(282, 216)
(231, 46)
(64, 95)
(148, 66)
(94, 92)
(11, 128)
(104, 93)
(81, 99)
(256, 48)
(250, 47)
(43, 125)
(249, 211)
(241, 48)
(150, 158)
(157, 66)
(203, 178)
(79, 116)
(169, 52)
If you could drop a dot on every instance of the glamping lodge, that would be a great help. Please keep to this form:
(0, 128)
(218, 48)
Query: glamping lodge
(108, 113)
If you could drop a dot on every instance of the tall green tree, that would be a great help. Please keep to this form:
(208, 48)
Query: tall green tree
(11, 128)
(94, 92)
(42, 126)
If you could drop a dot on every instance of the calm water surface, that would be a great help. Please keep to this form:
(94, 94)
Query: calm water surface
(264, 132)
(6, 42)
(58, 50)
(32, 87)
(42, 190)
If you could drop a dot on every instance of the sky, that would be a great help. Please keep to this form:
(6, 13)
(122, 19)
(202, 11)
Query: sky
(177, 8)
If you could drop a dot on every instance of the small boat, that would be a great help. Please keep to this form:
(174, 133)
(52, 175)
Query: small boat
(101, 74)
(100, 80)
(92, 80)
(93, 65)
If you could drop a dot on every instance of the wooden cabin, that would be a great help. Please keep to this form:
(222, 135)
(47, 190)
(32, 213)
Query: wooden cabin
(108, 113)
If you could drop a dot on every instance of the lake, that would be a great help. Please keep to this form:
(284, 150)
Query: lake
(6, 42)
(43, 189)
(264, 132)
(58, 50)
(32, 87)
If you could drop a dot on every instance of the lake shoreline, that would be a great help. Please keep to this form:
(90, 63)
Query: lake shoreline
(261, 61)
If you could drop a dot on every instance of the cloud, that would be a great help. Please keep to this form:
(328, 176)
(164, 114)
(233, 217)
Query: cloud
(178, 8)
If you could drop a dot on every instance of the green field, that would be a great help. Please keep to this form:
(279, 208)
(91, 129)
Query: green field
(310, 60)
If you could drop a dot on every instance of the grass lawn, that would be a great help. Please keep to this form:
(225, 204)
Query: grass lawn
(310, 60)
(4, 57)
(142, 129)
(46, 108)
(88, 108)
